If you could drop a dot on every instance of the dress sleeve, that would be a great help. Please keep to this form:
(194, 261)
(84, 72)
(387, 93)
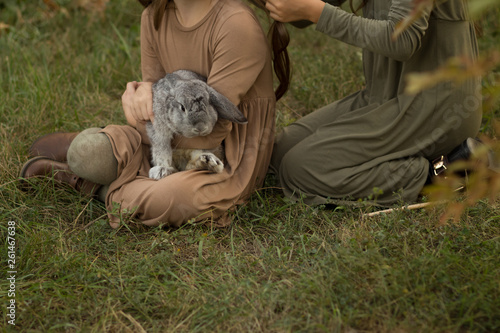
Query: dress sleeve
(240, 53)
(151, 68)
(375, 35)
(239, 50)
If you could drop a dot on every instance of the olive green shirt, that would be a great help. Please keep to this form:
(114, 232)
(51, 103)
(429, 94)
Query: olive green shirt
(445, 111)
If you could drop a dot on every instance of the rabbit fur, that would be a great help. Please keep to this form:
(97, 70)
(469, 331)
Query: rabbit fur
(184, 104)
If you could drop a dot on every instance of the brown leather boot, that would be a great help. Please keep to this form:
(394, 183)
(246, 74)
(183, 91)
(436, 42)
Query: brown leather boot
(45, 167)
(54, 146)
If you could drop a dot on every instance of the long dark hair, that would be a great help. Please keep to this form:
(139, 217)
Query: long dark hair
(278, 36)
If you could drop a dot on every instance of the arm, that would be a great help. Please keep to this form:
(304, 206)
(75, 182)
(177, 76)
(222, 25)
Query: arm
(295, 10)
(240, 54)
(375, 35)
(151, 68)
(137, 100)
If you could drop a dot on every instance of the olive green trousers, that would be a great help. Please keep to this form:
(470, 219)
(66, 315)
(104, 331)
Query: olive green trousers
(333, 156)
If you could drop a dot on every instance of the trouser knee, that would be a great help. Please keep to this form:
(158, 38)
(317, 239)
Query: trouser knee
(91, 157)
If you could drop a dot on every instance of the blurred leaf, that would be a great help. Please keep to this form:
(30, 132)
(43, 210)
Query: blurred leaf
(54, 8)
(52, 5)
(453, 212)
(491, 96)
(477, 7)
(482, 181)
(96, 6)
(456, 69)
(419, 6)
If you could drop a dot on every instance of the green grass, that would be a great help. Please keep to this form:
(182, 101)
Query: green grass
(280, 266)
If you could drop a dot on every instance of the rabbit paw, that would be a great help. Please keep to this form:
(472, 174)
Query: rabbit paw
(210, 162)
(159, 172)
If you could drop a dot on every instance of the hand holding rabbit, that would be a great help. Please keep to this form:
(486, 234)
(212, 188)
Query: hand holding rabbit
(137, 102)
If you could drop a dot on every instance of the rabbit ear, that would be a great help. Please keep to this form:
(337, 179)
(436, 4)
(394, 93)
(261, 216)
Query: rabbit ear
(165, 84)
(225, 108)
(189, 75)
(172, 79)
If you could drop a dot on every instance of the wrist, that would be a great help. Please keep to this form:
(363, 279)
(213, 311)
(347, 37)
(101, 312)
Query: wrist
(315, 9)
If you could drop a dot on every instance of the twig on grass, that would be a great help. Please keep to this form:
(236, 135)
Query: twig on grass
(409, 207)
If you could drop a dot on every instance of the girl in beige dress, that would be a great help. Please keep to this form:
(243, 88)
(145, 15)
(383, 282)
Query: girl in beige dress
(223, 41)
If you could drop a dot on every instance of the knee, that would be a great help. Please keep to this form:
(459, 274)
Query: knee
(91, 157)
(280, 149)
(171, 207)
(292, 170)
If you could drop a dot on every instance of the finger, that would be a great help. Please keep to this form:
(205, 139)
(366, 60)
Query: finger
(127, 109)
(129, 90)
(271, 7)
(273, 12)
(145, 113)
(131, 86)
(150, 111)
(149, 107)
(275, 17)
(146, 99)
(137, 111)
(140, 108)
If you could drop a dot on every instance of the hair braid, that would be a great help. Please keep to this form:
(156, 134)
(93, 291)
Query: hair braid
(279, 38)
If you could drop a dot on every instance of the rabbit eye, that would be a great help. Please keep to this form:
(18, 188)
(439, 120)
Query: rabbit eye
(183, 108)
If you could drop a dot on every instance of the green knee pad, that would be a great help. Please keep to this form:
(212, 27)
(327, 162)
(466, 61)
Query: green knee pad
(90, 156)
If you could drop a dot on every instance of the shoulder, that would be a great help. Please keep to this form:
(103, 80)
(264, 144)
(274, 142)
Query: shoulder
(236, 15)
(228, 8)
(147, 13)
(147, 18)
(237, 24)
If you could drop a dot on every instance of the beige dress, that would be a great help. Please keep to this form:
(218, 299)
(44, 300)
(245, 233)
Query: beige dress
(376, 143)
(229, 47)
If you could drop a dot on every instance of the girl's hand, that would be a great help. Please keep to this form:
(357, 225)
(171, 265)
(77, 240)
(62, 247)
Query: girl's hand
(137, 102)
(295, 10)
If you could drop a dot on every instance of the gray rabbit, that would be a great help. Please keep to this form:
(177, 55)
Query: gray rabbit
(184, 104)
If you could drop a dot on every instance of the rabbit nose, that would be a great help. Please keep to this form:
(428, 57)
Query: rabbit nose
(201, 129)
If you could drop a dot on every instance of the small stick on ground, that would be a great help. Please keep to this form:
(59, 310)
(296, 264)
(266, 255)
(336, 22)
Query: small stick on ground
(409, 207)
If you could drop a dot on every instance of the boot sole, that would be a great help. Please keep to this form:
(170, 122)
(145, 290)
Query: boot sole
(30, 162)
(23, 183)
(22, 179)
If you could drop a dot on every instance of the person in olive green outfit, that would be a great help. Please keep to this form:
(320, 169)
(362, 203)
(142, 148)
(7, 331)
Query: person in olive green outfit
(381, 137)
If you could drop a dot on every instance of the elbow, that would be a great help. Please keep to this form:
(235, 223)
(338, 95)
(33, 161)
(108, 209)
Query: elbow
(397, 51)
(405, 50)
(403, 56)
(406, 44)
